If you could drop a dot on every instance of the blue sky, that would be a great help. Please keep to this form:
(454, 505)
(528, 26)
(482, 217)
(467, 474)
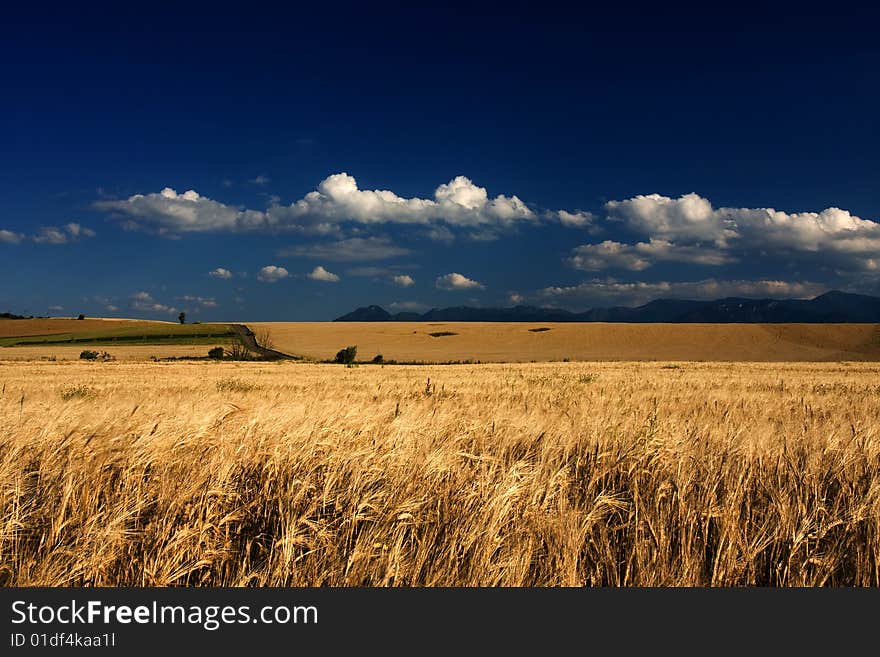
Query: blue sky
(269, 164)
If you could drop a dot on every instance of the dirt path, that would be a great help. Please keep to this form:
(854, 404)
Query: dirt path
(250, 341)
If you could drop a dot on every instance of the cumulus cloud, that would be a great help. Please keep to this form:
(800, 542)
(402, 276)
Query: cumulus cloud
(609, 289)
(145, 303)
(338, 199)
(354, 249)
(639, 256)
(221, 273)
(459, 202)
(272, 274)
(456, 281)
(56, 309)
(689, 217)
(169, 213)
(833, 236)
(9, 237)
(261, 180)
(576, 219)
(403, 280)
(321, 274)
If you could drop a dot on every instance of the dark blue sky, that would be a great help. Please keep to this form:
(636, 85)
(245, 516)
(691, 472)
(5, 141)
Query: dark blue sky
(699, 152)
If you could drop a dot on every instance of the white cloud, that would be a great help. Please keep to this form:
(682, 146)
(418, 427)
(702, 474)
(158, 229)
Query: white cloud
(403, 280)
(221, 273)
(456, 281)
(338, 199)
(272, 274)
(51, 235)
(459, 202)
(576, 219)
(56, 309)
(261, 180)
(321, 274)
(639, 256)
(515, 298)
(832, 236)
(603, 290)
(9, 237)
(111, 308)
(354, 249)
(168, 213)
(832, 230)
(145, 303)
(76, 230)
(689, 217)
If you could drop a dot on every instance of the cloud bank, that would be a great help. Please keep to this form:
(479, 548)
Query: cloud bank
(689, 229)
(337, 200)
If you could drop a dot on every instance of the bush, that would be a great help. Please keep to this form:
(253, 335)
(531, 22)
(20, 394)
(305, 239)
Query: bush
(216, 352)
(378, 358)
(88, 354)
(346, 356)
(81, 316)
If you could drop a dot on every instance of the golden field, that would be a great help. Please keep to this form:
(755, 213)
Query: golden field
(556, 474)
(517, 342)
(61, 325)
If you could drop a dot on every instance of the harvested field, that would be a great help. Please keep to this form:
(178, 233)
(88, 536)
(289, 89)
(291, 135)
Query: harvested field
(523, 342)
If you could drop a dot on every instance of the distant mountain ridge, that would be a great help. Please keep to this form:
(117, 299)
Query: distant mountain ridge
(831, 307)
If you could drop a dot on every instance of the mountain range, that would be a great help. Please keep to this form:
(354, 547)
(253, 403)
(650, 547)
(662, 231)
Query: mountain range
(831, 307)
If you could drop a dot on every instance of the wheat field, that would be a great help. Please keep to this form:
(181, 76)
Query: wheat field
(549, 474)
(493, 342)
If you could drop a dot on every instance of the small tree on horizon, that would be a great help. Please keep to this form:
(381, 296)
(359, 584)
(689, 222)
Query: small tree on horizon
(346, 356)
(182, 318)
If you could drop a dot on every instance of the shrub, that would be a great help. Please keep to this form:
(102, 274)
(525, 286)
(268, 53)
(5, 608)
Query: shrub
(378, 358)
(346, 356)
(81, 316)
(89, 354)
(216, 352)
